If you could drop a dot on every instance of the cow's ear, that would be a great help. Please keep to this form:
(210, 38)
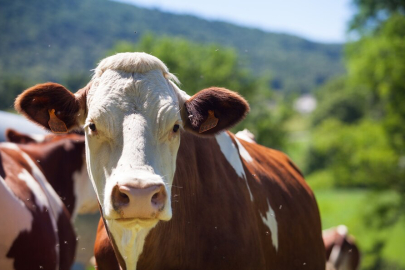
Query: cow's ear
(16, 137)
(213, 110)
(53, 107)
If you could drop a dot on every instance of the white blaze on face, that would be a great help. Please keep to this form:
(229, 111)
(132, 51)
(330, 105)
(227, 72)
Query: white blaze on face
(231, 154)
(270, 221)
(134, 117)
(134, 108)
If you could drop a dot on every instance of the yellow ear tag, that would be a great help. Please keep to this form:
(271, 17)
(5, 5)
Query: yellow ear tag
(210, 123)
(56, 125)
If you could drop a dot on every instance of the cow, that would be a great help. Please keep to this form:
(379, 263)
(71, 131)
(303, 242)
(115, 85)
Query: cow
(341, 249)
(176, 189)
(70, 181)
(43, 185)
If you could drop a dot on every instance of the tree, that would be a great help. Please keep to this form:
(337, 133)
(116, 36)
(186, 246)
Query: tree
(340, 101)
(371, 14)
(378, 63)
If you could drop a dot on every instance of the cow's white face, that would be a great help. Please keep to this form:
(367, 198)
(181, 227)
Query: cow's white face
(132, 138)
(132, 114)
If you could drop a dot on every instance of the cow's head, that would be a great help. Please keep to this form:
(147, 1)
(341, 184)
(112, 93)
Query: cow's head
(132, 113)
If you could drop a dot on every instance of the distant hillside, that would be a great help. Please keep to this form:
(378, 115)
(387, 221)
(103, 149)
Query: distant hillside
(51, 39)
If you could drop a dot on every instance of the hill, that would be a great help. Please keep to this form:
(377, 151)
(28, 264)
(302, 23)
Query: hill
(51, 40)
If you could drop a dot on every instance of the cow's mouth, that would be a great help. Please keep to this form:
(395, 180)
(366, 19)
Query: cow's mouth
(142, 222)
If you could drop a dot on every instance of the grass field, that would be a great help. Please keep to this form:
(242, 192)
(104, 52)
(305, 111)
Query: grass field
(354, 208)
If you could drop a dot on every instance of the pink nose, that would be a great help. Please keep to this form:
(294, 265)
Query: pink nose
(135, 202)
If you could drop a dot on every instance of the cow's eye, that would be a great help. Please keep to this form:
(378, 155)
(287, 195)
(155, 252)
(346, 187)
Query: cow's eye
(92, 127)
(176, 128)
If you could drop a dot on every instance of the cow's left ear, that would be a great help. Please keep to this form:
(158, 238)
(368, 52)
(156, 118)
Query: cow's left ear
(53, 107)
(16, 137)
(213, 110)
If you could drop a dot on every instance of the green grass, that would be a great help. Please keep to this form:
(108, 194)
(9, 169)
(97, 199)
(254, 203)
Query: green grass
(351, 207)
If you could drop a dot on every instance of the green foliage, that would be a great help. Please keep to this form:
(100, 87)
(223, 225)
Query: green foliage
(357, 155)
(347, 104)
(378, 63)
(372, 13)
(9, 87)
(200, 66)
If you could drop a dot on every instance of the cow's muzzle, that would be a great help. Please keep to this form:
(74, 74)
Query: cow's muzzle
(137, 200)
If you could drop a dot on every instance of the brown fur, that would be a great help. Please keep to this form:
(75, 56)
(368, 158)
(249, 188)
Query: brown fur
(216, 226)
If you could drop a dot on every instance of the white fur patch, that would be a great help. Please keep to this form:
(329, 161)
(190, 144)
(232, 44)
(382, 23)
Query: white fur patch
(86, 199)
(35, 188)
(270, 221)
(342, 230)
(246, 135)
(15, 219)
(133, 62)
(38, 137)
(232, 156)
(337, 249)
(243, 152)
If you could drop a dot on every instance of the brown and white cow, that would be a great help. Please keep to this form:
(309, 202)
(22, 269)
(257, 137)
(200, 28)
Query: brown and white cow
(41, 186)
(156, 154)
(62, 159)
(341, 249)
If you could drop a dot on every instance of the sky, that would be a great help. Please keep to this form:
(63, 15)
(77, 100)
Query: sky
(317, 20)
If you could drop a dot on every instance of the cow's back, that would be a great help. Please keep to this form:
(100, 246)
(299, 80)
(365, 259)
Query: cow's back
(265, 217)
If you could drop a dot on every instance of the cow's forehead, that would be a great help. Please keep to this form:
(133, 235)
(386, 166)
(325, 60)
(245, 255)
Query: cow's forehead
(118, 94)
(131, 81)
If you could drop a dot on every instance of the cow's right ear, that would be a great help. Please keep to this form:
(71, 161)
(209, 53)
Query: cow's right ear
(53, 107)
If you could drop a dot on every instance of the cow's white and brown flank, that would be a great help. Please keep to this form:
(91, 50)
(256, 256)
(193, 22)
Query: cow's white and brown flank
(42, 186)
(176, 190)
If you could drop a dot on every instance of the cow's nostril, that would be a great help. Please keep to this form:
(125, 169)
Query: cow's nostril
(119, 198)
(155, 197)
(124, 197)
(158, 199)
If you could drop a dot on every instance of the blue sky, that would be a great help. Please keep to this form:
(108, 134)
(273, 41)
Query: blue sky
(317, 20)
